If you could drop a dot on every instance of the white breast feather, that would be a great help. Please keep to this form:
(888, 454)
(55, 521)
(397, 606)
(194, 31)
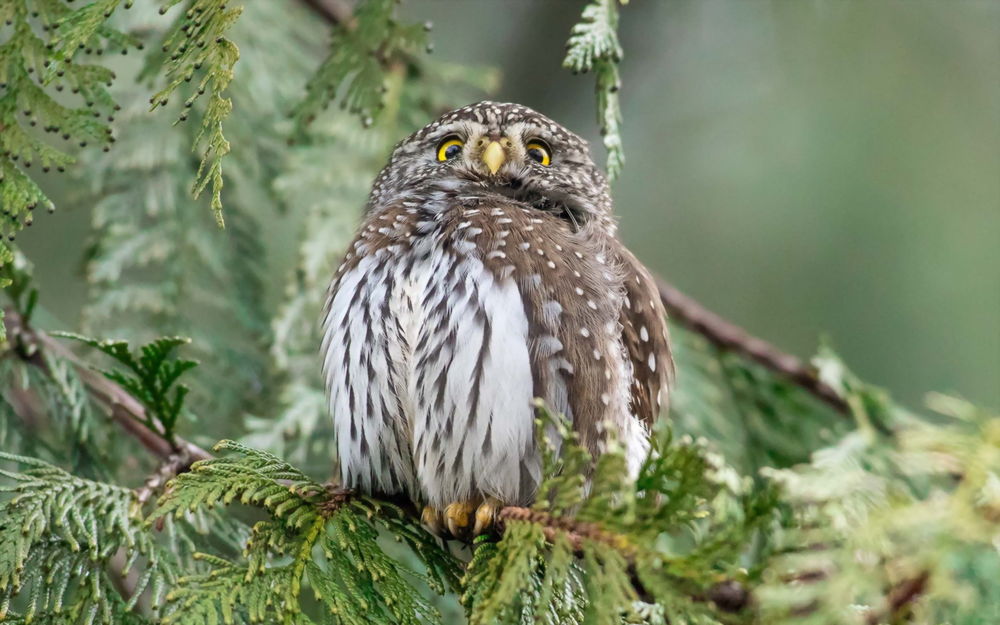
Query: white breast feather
(483, 450)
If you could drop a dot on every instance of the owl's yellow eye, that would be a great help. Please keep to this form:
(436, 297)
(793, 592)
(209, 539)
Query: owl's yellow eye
(538, 151)
(450, 148)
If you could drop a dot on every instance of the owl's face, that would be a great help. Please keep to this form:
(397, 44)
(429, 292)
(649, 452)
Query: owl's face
(507, 149)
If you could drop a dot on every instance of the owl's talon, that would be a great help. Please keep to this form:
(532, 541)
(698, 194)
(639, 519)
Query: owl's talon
(458, 516)
(486, 516)
(431, 517)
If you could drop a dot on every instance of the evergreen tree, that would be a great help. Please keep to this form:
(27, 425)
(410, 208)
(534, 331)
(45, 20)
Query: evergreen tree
(777, 492)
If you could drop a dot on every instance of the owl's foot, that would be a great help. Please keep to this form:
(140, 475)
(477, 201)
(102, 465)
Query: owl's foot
(462, 520)
(458, 518)
(486, 516)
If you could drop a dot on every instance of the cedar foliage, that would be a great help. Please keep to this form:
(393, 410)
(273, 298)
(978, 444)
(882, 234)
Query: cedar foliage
(760, 503)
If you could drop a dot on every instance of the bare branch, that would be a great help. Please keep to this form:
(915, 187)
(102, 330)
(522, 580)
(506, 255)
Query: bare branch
(901, 599)
(333, 11)
(726, 335)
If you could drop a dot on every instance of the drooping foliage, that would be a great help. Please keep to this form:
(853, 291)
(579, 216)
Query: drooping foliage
(33, 70)
(364, 51)
(197, 46)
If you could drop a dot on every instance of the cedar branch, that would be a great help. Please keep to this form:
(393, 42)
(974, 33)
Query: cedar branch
(728, 596)
(123, 408)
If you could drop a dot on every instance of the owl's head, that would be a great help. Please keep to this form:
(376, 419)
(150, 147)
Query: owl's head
(504, 149)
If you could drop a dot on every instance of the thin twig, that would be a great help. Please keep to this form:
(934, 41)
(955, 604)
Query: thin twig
(175, 464)
(726, 335)
(901, 599)
(575, 531)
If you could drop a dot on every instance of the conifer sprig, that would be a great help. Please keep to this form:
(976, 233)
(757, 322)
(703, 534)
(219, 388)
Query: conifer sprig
(6, 279)
(31, 69)
(197, 45)
(361, 54)
(58, 535)
(872, 517)
(151, 377)
(307, 542)
(595, 554)
(593, 46)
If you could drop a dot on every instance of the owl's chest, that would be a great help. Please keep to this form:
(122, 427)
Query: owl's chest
(443, 327)
(443, 306)
(448, 341)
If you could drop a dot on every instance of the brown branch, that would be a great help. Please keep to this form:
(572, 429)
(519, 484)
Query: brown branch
(901, 599)
(30, 345)
(333, 11)
(176, 463)
(726, 335)
(575, 531)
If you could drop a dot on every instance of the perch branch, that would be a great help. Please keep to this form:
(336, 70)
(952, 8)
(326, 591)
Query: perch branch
(727, 336)
(901, 599)
(176, 463)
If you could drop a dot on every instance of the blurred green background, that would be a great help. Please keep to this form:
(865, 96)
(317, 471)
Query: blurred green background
(803, 167)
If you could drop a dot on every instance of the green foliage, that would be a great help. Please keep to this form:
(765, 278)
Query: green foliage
(6, 259)
(676, 531)
(64, 544)
(362, 53)
(151, 377)
(15, 277)
(753, 416)
(876, 517)
(197, 44)
(593, 46)
(326, 541)
(154, 264)
(31, 69)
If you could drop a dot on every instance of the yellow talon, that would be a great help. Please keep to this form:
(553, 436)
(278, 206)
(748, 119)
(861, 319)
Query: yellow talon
(458, 516)
(432, 519)
(486, 516)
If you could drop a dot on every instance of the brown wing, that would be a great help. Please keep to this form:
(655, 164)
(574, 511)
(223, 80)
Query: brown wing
(644, 332)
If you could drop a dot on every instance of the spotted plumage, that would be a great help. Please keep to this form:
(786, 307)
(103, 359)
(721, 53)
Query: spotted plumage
(483, 276)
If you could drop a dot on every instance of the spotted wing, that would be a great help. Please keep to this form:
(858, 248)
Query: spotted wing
(644, 333)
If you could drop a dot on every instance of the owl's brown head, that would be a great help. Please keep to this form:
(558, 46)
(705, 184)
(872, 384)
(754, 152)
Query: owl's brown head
(496, 148)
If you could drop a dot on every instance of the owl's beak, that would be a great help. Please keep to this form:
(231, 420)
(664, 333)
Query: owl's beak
(493, 156)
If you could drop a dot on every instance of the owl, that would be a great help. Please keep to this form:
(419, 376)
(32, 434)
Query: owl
(487, 273)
